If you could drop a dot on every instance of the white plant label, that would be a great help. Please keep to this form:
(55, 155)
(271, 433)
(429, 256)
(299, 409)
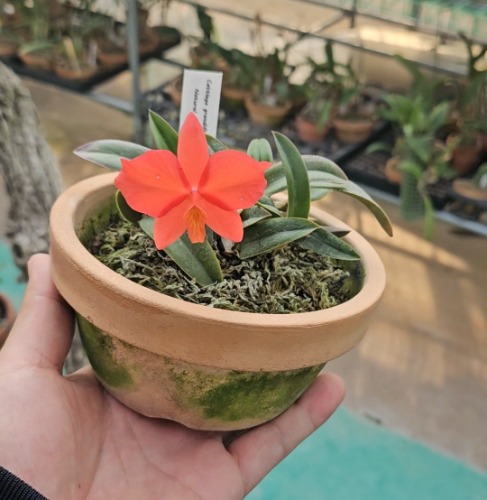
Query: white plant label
(201, 95)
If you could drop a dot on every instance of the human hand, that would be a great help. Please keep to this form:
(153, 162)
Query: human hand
(69, 439)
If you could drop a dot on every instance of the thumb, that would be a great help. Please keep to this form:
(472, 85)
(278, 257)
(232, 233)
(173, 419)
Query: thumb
(43, 332)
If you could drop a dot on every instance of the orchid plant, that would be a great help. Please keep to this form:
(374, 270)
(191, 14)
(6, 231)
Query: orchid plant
(192, 190)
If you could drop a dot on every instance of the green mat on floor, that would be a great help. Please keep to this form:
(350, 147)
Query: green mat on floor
(349, 458)
(9, 274)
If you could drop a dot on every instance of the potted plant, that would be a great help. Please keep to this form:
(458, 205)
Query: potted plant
(168, 36)
(419, 158)
(112, 46)
(469, 111)
(334, 98)
(39, 48)
(356, 115)
(271, 96)
(205, 51)
(238, 77)
(213, 350)
(77, 57)
(7, 317)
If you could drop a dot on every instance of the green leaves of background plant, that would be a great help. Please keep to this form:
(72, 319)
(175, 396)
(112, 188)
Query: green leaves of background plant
(197, 260)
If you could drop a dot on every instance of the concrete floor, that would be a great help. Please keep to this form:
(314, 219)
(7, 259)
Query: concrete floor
(422, 368)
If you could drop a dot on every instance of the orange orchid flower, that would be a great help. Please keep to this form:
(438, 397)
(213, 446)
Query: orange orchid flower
(192, 190)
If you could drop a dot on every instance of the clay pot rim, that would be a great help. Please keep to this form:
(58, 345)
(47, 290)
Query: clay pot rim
(75, 199)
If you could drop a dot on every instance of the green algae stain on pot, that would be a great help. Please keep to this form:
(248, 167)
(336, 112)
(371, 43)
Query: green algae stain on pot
(100, 350)
(238, 395)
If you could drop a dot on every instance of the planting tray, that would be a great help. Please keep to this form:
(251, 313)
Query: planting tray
(368, 169)
(103, 73)
(236, 131)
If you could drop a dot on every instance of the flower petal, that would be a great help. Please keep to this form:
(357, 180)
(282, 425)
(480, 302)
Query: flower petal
(233, 180)
(171, 226)
(152, 183)
(226, 223)
(193, 151)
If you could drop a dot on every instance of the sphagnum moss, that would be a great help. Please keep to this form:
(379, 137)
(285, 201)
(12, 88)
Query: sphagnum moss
(288, 280)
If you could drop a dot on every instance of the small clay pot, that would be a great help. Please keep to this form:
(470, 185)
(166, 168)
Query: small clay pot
(353, 131)
(167, 36)
(234, 98)
(309, 131)
(175, 90)
(112, 57)
(68, 73)
(465, 157)
(41, 59)
(269, 116)
(467, 189)
(7, 318)
(8, 48)
(206, 368)
(393, 174)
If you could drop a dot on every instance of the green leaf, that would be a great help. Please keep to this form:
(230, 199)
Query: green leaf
(214, 144)
(299, 199)
(327, 181)
(324, 242)
(197, 260)
(125, 211)
(267, 204)
(260, 150)
(351, 189)
(253, 215)
(379, 146)
(108, 152)
(276, 177)
(165, 137)
(273, 233)
(412, 167)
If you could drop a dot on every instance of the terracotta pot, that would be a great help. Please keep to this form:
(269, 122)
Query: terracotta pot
(148, 42)
(269, 116)
(175, 90)
(308, 131)
(112, 57)
(167, 36)
(353, 131)
(234, 98)
(207, 368)
(391, 171)
(202, 58)
(7, 318)
(465, 157)
(43, 60)
(8, 48)
(68, 73)
(467, 189)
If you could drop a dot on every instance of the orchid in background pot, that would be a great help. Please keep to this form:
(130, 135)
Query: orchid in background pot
(200, 298)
